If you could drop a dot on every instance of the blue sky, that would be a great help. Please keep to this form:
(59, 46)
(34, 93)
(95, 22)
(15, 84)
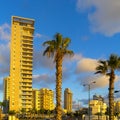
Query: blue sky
(93, 27)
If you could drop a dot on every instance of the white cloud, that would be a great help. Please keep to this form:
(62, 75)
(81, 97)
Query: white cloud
(5, 32)
(42, 61)
(101, 81)
(86, 65)
(4, 59)
(37, 35)
(104, 15)
(43, 80)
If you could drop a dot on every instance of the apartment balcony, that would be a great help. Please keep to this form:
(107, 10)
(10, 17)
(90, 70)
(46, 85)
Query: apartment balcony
(26, 89)
(26, 72)
(28, 35)
(26, 60)
(27, 51)
(27, 44)
(26, 68)
(27, 93)
(27, 76)
(26, 102)
(26, 85)
(26, 98)
(27, 64)
(28, 47)
(27, 56)
(28, 27)
(26, 106)
(27, 81)
(25, 38)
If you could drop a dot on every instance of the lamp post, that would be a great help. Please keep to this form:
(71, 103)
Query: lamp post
(116, 91)
(89, 87)
(117, 113)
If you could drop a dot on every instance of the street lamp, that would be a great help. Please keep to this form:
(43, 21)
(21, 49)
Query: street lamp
(117, 111)
(89, 87)
(116, 91)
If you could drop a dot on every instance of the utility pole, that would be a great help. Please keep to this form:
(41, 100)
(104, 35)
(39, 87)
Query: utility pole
(89, 87)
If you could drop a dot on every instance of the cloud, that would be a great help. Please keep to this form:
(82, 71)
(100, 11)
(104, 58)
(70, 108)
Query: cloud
(103, 15)
(4, 49)
(5, 32)
(86, 68)
(86, 65)
(4, 59)
(85, 38)
(1, 85)
(40, 61)
(101, 81)
(43, 80)
(37, 35)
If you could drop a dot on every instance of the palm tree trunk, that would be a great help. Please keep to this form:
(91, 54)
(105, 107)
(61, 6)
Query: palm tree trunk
(111, 96)
(59, 59)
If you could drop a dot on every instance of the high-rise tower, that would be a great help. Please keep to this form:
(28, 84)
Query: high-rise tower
(36, 99)
(21, 60)
(46, 99)
(68, 100)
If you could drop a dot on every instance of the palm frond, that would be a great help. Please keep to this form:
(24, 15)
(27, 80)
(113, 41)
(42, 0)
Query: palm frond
(49, 42)
(58, 38)
(66, 42)
(114, 62)
(102, 68)
(49, 51)
(68, 52)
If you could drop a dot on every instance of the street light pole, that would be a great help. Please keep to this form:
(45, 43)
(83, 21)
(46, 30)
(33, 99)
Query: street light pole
(89, 87)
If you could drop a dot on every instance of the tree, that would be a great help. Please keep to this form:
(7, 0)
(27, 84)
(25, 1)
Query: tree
(108, 68)
(58, 49)
(2, 104)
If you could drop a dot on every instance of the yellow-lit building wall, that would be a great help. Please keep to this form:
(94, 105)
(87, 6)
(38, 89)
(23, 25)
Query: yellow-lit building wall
(21, 57)
(6, 95)
(97, 107)
(6, 88)
(36, 99)
(46, 99)
(68, 100)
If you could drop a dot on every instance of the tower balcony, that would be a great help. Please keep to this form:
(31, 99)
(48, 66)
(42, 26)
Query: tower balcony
(27, 51)
(26, 60)
(27, 76)
(25, 102)
(27, 94)
(27, 43)
(26, 98)
(29, 47)
(28, 27)
(26, 85)
(27, 56)
(26, 68)
(27, 81)
(26, 89)
(27, 38)
(28, 64)
(28, 35)
(26, 72)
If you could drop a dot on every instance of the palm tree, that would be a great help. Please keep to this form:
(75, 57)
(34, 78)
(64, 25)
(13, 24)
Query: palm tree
(58, 49)
(108, 67)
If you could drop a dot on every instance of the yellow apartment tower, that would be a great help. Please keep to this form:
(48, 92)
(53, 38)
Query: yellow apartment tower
(46, 99)
(68, 100)
(6, 94)
(36, 99)
(6, 88)
(21, 62)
